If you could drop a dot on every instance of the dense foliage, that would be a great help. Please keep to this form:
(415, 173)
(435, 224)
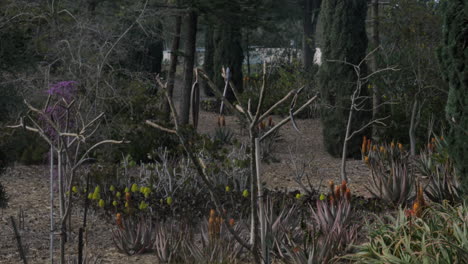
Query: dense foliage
(85, 87)
(344, 40)
(454, 59)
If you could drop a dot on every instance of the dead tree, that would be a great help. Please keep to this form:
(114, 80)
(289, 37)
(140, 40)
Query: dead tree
(253, 119)
(66, 137)
(358, 103)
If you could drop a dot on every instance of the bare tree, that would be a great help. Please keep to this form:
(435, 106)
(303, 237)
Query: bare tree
(358, 103)
(375, 42)
(253, 119)
(173, 65)
(66, 135)
(189, 62)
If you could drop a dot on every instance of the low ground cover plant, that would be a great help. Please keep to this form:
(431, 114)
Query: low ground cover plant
(437, 235)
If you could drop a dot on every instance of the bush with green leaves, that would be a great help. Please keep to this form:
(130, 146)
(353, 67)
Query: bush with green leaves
(438, 236)
(283, 79)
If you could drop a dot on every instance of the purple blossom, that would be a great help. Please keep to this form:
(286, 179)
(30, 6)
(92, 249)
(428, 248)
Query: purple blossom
(64, 89)
(57, 112)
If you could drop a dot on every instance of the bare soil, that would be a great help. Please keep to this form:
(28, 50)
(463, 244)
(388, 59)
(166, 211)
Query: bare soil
(28, 188)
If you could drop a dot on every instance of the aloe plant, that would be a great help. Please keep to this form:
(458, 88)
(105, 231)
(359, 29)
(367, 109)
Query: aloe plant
(329, 232)
(435, 163)
(216, 244)
(167, 243)
(391, 177)
(438, 236)
(134, 235)
(278, 223)
(223, 134)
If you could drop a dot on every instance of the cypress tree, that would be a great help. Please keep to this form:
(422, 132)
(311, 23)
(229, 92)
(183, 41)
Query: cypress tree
(228, 53)
(344, 39)
(454, 58)
(209, 57)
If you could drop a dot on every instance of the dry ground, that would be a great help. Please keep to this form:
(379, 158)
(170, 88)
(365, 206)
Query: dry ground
(28, 188)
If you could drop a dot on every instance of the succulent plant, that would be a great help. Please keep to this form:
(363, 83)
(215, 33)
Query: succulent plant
(134, 235)
(330, 232)
(438, 236)
(217, 244)
(391, 177)
(435, 163)
(168, 241)
(223, 135)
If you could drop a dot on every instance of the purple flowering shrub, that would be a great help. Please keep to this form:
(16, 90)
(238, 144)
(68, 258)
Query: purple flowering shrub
(64, 89)
(57, 109)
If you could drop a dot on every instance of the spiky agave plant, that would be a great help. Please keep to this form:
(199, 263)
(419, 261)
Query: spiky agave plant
(435, 163)
(278, 222)
(330, 232)
(438, 236)
(222, 133)
(391, 178)
(216, 244)
(134, 235)
(168, 240)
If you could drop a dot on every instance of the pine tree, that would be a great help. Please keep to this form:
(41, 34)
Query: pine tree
(344, 39)
(454, 58)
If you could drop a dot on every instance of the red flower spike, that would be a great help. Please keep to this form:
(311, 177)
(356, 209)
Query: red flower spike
(337, 193)
(343, 187)
(348, 194)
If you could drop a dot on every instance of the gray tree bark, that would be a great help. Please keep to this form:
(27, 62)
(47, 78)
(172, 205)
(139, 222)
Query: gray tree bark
(311, 12)
(189, 61)
(375, 42)
(173, 66)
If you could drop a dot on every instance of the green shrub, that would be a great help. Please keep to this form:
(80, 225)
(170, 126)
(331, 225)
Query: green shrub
(439, 236)
(453, 57)
(126, 120)
(280, 81)
(22, 146)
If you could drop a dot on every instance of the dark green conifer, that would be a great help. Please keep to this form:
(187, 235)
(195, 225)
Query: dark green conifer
(228, 53)
(344, 39)
(454, 59)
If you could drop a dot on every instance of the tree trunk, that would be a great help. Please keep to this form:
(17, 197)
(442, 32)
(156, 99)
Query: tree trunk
(247, 39)
(412, 129)
(253, 200)
(51, 235)
(173, 66)
(189, 61)
(344, 176)
(310, 19)
(260, 200)
(155, 53)
(209, 56)
(307, 46)
(375, 42)
(228, 53)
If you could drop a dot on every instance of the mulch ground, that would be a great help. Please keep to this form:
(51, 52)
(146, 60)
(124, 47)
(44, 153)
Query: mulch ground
(28, 189)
